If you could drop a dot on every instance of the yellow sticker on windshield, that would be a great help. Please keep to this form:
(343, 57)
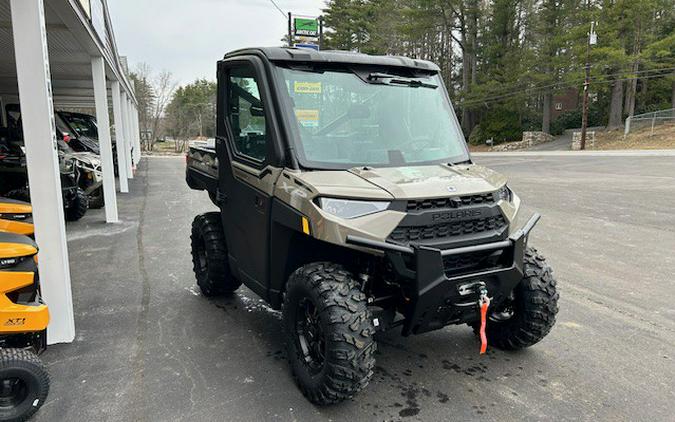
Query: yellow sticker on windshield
(307, 87)
(307, 117)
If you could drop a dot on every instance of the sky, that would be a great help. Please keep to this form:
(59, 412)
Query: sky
(188, 37)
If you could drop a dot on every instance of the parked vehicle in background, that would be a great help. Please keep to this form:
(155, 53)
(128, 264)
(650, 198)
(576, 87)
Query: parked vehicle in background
(78, 130)
(80, 172)
(81, 132)
(86, 157)
(348, 199)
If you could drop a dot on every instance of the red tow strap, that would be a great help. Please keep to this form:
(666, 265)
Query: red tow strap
(484, 302)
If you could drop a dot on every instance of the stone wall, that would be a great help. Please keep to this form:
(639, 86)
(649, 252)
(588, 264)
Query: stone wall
(576, 140)
(536, 138)
(529, 139)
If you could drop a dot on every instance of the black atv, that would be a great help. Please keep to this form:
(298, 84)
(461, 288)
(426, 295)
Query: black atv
(14, 177)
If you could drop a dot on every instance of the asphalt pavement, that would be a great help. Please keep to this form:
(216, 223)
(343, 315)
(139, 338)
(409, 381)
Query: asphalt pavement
(149, 347)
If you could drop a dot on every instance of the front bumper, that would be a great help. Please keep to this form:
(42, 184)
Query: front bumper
(435, 299)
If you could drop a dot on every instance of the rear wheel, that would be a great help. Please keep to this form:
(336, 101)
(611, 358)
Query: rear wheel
(529, 313)
(78, 206)
(24, 384)
(209, 256)
(329, 333)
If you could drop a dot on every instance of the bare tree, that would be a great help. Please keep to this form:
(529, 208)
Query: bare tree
(153, 92)
(164, 88)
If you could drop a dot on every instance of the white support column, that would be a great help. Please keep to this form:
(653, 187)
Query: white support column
(37, 114)
(135, 138)
(103, 120)
(119, 138)
(137, 132)
(132, 139)
(127, 135)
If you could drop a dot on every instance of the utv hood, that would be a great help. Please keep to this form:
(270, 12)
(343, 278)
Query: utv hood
(432, 181)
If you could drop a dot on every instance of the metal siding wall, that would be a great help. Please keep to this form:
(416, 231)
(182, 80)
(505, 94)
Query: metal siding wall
(98, 20)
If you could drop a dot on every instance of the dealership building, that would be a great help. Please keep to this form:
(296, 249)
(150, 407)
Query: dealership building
(60, 54)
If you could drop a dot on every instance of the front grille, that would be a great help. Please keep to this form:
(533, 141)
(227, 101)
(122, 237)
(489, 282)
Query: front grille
(406, 234)
(454, 265)
(454, 202)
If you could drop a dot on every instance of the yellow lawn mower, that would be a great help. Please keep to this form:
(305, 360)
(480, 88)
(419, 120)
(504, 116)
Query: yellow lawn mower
(24, 381)
(16, 217)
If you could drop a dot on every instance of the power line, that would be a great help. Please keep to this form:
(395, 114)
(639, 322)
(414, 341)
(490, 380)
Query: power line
(568, 85)
(279, 9)
(522, 87)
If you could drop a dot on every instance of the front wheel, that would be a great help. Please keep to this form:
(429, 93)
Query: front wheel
(329, 332)
(78, 205)
(24, 384)
(529, 314)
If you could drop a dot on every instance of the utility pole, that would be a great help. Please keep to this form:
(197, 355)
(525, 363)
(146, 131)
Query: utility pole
(290, 30)
(320, 32)
(592, 40)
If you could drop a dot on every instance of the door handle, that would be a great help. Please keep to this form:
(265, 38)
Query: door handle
(258, 201)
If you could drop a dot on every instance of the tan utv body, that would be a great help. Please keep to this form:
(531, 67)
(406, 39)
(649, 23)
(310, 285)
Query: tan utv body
(348, 199)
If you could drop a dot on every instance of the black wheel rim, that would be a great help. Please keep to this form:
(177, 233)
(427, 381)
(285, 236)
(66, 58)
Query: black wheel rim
(310, 336)
(13, 391)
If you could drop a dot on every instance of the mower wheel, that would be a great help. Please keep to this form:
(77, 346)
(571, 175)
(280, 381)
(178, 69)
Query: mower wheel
(24, 384)
(96, 199)
(78, 206)
(209, 256)
(530, 313)
(329, 332)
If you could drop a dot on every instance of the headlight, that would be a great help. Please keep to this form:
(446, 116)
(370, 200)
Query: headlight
(504, 193)
(345, 208)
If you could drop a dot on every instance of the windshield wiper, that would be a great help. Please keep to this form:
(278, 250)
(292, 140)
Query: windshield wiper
(387, 79)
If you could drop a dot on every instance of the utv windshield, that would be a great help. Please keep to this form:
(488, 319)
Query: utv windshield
(346, 119)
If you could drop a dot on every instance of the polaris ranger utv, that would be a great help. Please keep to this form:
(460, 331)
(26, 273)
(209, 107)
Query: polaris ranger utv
(348, 199)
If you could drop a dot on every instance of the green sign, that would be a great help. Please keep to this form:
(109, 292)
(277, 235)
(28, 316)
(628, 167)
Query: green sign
(306, 27)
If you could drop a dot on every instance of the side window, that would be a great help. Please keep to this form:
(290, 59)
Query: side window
(246, 113)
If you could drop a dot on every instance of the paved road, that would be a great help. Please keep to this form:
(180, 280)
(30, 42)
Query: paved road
(149, 347)
(559, 143)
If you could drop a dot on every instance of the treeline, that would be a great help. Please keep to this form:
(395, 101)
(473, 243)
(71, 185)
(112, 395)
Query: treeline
(192, 111)
(504, 61)
(167, 110)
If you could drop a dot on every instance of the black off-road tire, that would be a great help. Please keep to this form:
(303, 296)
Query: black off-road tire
(209, 256)
(26, 372)
(96, 199)
(346, 328)
(78, 207)
(535, 307)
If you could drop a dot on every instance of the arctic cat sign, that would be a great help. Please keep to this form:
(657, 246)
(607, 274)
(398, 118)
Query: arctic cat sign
(306, 27)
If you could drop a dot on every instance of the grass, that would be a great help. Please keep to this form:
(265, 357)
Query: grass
(663, 138)
(164, 148)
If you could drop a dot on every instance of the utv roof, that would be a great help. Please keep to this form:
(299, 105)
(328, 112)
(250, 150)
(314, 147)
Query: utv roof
(306, 55)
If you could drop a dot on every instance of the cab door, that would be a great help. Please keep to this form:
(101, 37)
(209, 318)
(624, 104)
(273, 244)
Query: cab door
(246, 147)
